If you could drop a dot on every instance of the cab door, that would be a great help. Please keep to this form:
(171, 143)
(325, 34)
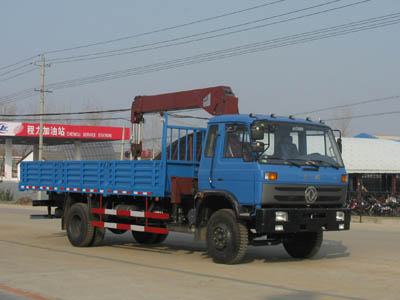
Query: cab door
(206, 168)
(234, 165)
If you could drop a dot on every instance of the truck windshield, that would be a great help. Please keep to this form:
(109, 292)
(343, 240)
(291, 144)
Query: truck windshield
(300, 144)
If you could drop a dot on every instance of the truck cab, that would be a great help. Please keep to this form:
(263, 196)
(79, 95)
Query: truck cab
(279, 175)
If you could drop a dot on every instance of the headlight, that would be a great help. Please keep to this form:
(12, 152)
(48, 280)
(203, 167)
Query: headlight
(340, 216)
(281, 216)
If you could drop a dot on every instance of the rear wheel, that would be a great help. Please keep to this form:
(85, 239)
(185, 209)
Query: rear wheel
(99, 233)
(80, 230)
(304, 244)
(227, 238)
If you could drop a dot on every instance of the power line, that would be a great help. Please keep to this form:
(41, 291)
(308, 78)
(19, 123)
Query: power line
(147, 33)
(18, 62)
(205, 56)
(172, 115)
(19, 74)
(349, 105)
(166, 28)
(327, 32)
(23, 94)
(230, 52)
(15, 69)
(70, 113)
(365, 116)
(124, 51)
(70, 119)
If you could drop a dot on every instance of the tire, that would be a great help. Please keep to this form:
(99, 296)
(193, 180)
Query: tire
(80, 230)
(148, 238)
(304, 244)
(227, 239)
(98, 237)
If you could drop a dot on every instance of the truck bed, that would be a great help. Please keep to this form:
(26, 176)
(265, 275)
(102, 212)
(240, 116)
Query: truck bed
(139, 177)
(134, 177)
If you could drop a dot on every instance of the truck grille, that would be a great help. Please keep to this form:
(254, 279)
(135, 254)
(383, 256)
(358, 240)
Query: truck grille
(295, 194)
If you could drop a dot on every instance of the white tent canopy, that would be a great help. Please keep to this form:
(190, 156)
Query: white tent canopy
(365, 155)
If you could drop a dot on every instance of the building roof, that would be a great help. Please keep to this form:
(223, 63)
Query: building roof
(371, 136)
(371, 155)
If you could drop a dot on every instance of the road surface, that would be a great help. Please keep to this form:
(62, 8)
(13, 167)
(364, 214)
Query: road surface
(36, 257)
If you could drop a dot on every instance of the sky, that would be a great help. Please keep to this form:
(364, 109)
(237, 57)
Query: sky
(285, 80)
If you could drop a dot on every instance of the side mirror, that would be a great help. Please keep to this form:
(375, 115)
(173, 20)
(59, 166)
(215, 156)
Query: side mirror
(339, 143)
(339, 139)
(257, 147)
(257, 132)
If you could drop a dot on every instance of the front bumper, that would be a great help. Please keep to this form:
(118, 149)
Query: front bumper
(301, 219)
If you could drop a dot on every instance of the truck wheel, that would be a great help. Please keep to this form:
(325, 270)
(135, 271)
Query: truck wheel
(79, 227)
(227, 239)
(99, 233)
(149, 238)
(304, 244)
(98, 236)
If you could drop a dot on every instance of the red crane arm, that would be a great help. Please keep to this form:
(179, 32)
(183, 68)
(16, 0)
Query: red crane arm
(218, 100)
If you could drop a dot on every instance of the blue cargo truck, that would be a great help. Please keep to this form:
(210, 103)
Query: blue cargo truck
(244, 180)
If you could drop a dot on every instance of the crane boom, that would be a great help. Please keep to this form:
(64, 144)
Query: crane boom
(218, 100)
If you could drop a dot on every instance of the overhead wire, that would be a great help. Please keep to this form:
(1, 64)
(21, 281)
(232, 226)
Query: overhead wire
(349, 105)
(68, 113)
(15, 69)
(18, 62)
(18, 74)
(364, 116)
(245, 49)
(166, 28)
(68, 119)
(16, 96)
(15, 117)
(124, 51)
(327, 32)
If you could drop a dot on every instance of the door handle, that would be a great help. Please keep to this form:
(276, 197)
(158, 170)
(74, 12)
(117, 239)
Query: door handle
(220, 179)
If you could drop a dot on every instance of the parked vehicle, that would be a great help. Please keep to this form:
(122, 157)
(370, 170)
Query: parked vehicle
(370, 204)
(232, 184)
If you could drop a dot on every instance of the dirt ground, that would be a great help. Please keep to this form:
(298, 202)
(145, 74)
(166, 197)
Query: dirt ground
(35, 256)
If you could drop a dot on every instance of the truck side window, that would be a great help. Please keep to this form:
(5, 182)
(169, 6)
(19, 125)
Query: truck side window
(211, 141)
(236, 139)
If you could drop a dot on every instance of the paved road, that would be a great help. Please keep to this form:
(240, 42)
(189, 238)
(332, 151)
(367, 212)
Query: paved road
(35, 256)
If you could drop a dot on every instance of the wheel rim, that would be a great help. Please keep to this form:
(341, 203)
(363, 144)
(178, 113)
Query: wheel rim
(220, 237)
(75, 226)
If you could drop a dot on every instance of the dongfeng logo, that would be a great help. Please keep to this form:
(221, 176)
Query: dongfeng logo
(3, 128)
(311, 194)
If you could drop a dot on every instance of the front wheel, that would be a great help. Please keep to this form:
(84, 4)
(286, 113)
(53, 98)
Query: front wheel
(227, 238)
(303, 244)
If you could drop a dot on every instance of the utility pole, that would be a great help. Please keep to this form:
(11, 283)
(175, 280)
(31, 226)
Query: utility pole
(42, 91)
